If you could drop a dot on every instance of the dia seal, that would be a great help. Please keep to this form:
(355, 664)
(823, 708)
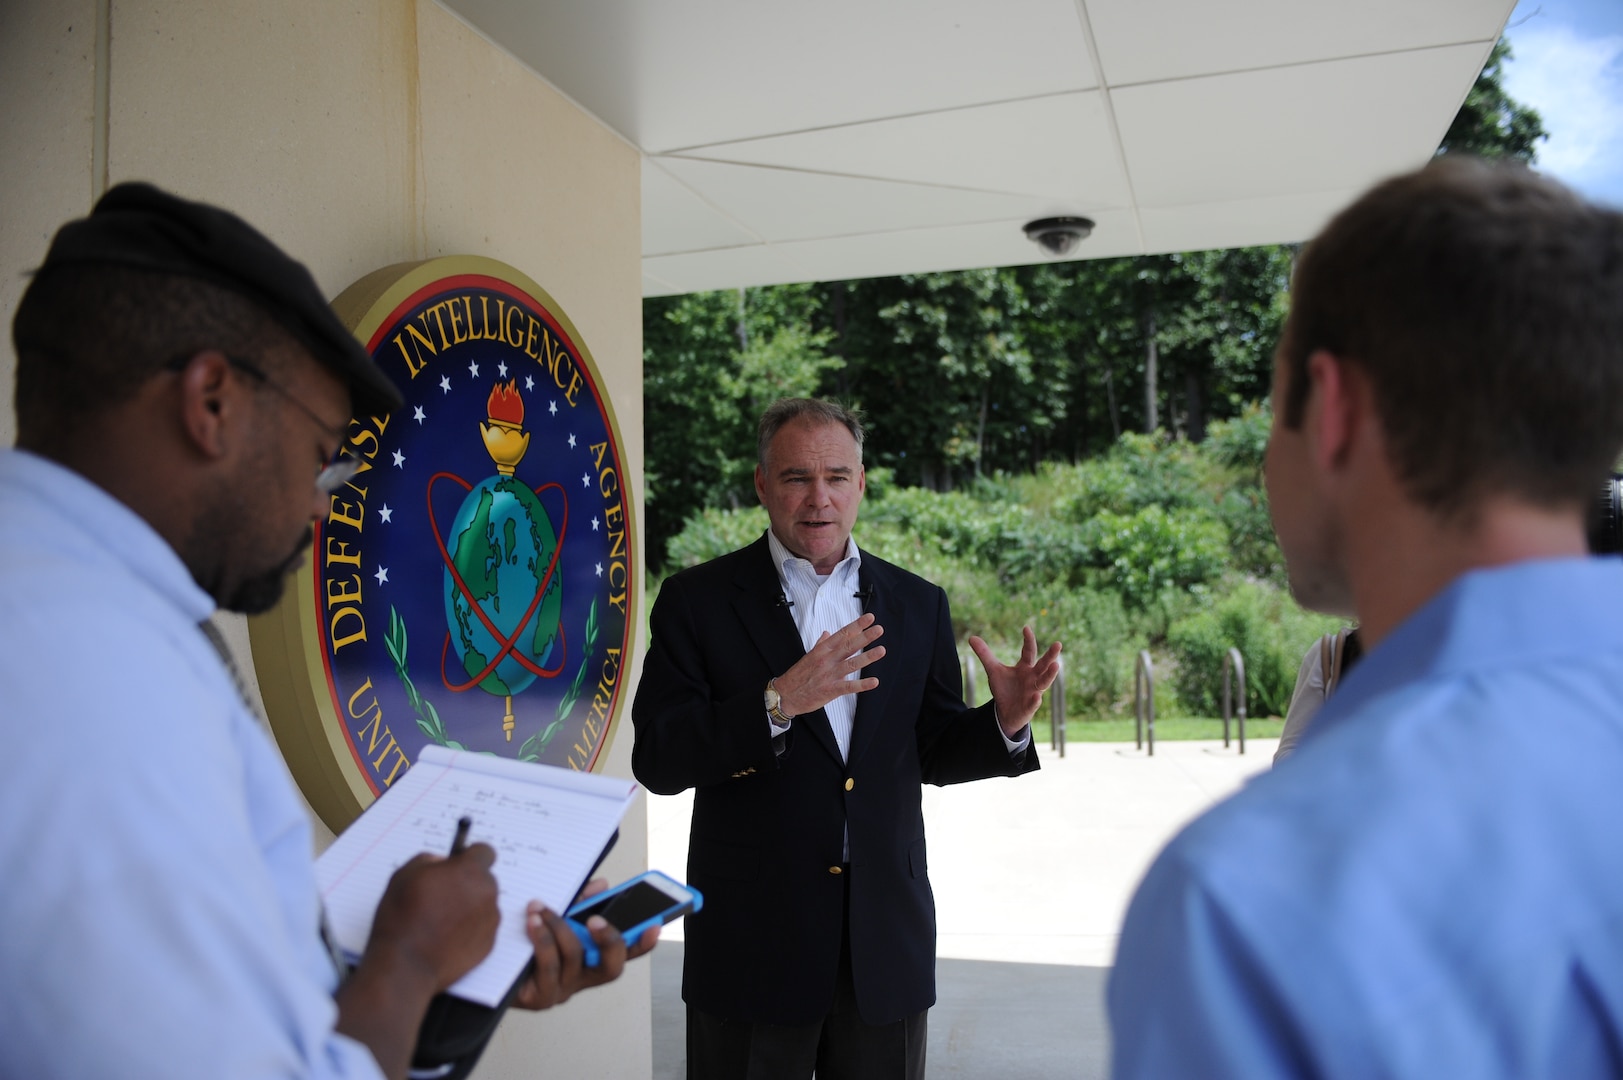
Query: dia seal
(472, 585)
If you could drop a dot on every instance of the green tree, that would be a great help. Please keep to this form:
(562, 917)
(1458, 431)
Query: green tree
(962, 375)
(1491, 123)
(711, 363)
(1169, 341)
(938, 363)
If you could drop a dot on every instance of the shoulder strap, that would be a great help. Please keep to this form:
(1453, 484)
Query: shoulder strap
(1333, 652)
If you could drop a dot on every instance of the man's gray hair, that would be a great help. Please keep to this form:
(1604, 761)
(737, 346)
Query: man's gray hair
(815, 410)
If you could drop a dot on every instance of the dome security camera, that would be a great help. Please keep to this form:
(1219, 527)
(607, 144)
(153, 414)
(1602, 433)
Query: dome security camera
(1058, 236)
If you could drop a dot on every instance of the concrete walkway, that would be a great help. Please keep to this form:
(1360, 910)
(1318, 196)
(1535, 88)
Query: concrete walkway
(1032, 878)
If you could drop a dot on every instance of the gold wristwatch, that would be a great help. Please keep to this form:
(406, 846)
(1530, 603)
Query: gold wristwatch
(774, 704)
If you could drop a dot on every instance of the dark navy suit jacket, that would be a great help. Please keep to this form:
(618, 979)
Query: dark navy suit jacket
(767, 828)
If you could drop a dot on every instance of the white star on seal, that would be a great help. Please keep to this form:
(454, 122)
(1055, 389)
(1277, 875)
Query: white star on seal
(529, 383)
(554, 409)
(585, 480)
(385, 512)
(473, 369)
(571, 441)
(599, 569)
(417, 413)
(445, 383)
(594, 522)
(382, 575)
(399, 460)
(501, 369)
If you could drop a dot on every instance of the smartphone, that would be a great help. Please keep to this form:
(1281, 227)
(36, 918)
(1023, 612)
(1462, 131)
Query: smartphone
(631, 907)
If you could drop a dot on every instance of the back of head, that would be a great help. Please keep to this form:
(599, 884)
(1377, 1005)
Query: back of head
(148, 279)
(1485, 305)
(89, 335)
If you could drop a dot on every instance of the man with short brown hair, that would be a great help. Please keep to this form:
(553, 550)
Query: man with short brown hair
(1430, 886)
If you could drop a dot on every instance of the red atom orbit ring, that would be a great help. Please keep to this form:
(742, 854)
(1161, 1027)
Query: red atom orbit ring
(507, 643)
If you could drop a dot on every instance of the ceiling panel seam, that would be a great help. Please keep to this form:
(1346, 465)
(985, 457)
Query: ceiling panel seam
(1274, 199)
(874, 179)
(681, 150)
(1303, 63)
(1110, 115)
(654, 161)
(821, 237)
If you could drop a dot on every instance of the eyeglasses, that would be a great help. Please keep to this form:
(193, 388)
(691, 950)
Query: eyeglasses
(330, 476)
(335, 473)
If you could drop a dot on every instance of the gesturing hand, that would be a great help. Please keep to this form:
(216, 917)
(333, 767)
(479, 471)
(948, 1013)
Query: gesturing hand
(559, 965)
(820, 676)
(1017, 689)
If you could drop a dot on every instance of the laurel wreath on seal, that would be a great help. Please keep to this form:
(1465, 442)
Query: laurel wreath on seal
(428, 717)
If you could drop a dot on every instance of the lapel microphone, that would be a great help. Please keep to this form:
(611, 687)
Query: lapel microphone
(783, 601)
(865, 594)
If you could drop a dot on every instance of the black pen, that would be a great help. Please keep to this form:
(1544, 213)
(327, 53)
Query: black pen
(463, 824)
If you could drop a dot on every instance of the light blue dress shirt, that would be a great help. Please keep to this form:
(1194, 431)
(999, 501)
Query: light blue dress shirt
(1432, 886)
(159, 914)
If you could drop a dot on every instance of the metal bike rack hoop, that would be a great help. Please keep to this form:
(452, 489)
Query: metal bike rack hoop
(1056, 710)
(1144, 700)
(1234, 686)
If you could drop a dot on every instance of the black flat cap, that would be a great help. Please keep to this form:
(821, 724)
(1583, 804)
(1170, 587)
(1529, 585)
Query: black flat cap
(137, 225)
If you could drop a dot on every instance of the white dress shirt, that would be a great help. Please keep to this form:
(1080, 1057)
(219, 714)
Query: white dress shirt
(821, 603)
(826, 603)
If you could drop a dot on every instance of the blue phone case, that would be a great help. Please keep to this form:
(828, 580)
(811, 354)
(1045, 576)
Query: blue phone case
(677, 908)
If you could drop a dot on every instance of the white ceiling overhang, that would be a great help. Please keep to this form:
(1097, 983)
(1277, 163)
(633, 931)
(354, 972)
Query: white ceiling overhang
(808, 142)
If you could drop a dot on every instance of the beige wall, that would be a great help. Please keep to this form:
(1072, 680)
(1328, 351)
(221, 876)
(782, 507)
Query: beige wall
(47, 80)
(356, 134)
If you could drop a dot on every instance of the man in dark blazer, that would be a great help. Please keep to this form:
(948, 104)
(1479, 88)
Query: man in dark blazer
(806, 690)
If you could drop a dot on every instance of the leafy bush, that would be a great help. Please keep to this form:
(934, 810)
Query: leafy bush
(710, 533)
(1253, 549)
(1272, 634)
(1049, 552)
(1140, 471)
(959, 523)
(1242, 443)
(1100, 645)
(1154, 551)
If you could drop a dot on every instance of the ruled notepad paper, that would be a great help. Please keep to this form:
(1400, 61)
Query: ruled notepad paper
(548, 826)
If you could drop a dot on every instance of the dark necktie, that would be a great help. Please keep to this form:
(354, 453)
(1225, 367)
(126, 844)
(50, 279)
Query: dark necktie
(217, 640)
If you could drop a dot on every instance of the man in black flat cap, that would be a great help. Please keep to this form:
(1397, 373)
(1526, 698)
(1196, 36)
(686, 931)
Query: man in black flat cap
(183, 393)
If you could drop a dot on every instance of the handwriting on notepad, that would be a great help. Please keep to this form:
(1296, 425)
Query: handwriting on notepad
(547, 825)
(495, 810)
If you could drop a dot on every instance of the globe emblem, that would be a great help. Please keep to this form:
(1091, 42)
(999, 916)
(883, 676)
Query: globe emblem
(503, 594)
(504, 549)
